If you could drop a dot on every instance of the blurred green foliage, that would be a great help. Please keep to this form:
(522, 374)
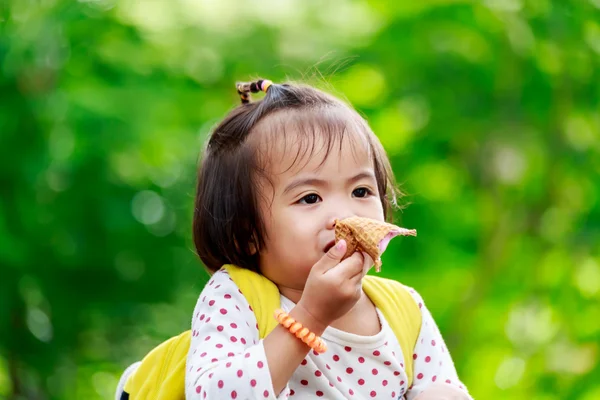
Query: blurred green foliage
(489, 111)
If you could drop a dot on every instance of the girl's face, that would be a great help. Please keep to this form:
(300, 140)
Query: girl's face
(308, 194)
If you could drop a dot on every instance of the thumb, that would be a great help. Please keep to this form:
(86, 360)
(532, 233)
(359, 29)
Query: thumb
(333, 256)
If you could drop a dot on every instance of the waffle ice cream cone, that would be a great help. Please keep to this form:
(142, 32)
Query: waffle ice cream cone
(368, 235)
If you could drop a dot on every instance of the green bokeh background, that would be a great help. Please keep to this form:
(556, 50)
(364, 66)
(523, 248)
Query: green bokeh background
(489, 111)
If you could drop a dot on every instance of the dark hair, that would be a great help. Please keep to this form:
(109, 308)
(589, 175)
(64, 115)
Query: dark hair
(227, 226)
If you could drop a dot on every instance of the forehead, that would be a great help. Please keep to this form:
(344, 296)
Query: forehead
(305, 140)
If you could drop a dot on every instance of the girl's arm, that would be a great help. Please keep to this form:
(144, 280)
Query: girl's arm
(226, 357)
(432, 363)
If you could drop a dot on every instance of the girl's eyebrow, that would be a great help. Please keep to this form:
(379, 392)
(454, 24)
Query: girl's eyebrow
(320, 182)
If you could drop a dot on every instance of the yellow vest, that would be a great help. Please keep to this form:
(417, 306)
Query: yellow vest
(161, 375)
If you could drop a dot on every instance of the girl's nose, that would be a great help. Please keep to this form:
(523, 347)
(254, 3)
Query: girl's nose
(331, 220)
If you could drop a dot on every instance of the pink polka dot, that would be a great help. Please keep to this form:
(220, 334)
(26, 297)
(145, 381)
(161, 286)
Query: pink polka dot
(260, 364)
(304, 382)
(373, 393)
(318, 373)
(327, 366)
(349, 370)
(448, 381)
(234, 394)
(253, 382)
(228, 364)
(348, 348)
(376, 353)
(361, 381)
(266, 394)
(223, 311)
(203, 354)
(202, 317)
(240, 373)
(374, 371)
(243, 340)
(420, 376)
(351, 392)
(207, 338)
(401, 383)
(433, 342)
(384, 383)
(233, 325)
(233, 339)
(211, 303)
(336, 357)
(247, 355)
(220, 328)
(361, 360)
(433, 378)
(219, 346)
(304, 362)
(198, 389)
(415, 356)
(218, 286)
(227, 296)
(339, 379)
(387, 363)
(394, 394)
(220, 384)
(396, 373)
(319, 393)
(237, 308)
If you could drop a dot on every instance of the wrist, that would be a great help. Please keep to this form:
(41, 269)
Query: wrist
(307, 319)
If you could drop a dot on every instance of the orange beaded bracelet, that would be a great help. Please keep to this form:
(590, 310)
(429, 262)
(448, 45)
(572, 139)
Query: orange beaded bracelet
(302, 333)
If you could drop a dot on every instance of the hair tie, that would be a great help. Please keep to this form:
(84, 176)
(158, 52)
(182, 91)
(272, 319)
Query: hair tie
(245, 88)
(265, 85)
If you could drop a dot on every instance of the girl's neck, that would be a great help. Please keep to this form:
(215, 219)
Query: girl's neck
(293, 294)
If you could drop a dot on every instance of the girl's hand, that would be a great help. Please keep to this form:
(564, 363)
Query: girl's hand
(334, 286)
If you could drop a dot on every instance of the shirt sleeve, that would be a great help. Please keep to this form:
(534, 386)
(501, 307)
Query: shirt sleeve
(432, 363)
(226, 359)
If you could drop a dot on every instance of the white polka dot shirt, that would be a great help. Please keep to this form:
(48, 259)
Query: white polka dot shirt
(227, 359)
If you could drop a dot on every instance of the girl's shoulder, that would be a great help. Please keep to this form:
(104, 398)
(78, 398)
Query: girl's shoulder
(221, 293)
(221, 304)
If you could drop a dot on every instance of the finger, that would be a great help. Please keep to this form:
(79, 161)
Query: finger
(368, 263)
(332, 257)
(363, 268)
(348, 268)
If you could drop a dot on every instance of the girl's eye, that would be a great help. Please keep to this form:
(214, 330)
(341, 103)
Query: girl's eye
(310, 199)
(361, 192)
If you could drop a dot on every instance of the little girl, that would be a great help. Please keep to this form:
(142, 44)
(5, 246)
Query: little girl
(276, 175)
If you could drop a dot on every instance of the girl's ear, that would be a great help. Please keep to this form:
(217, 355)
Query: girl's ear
(252, 246)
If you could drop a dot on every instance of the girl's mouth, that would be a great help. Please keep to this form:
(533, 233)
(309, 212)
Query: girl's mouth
(329, 246)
